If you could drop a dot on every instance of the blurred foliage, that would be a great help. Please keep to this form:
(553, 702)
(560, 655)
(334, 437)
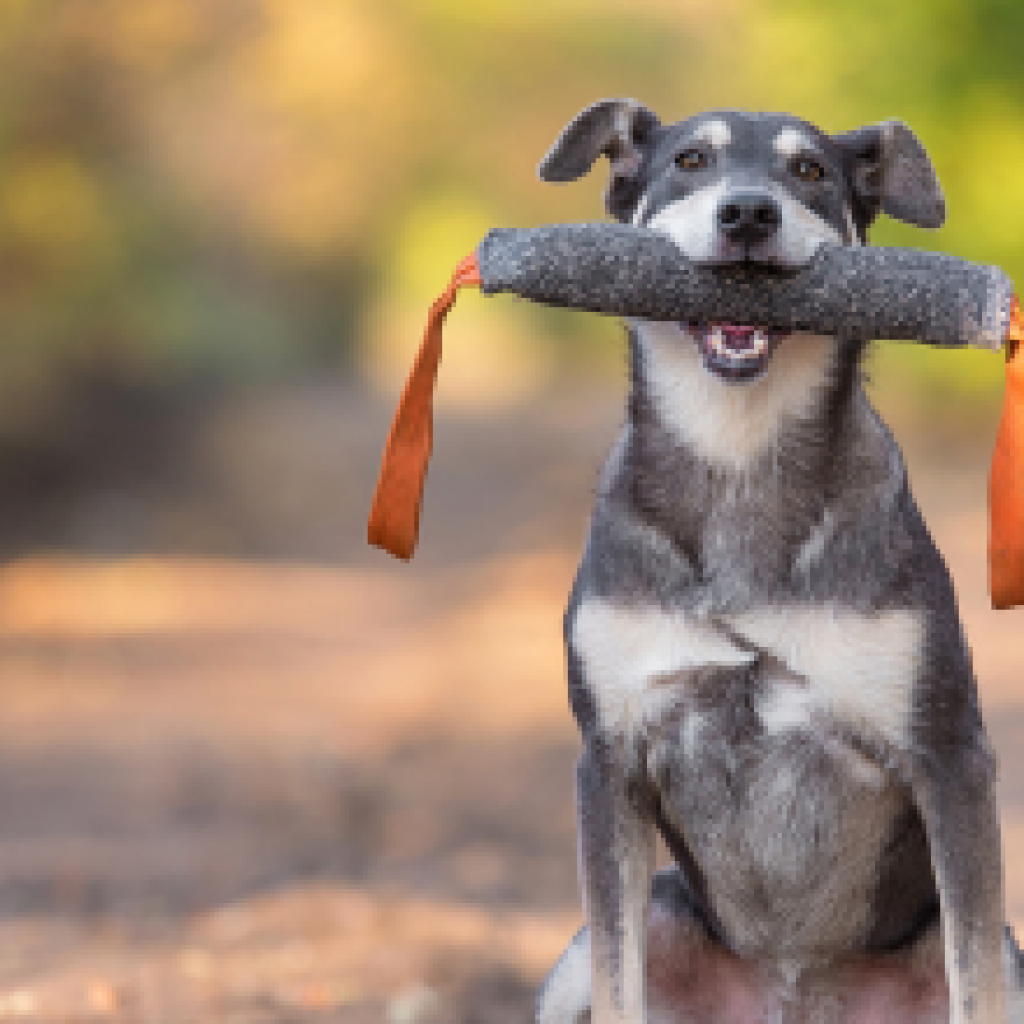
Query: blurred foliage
(222, 188)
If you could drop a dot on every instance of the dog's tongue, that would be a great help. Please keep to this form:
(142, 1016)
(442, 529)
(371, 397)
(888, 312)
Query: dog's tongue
(738, 336)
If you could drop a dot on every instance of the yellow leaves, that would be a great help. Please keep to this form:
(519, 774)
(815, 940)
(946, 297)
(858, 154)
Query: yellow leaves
(911, 379)
(990, 153)
(777, 58)
(291, 133)
(432, 238)
(319, 54)
(146, 33)
(13, 14)
(289, 130)
(50, 209)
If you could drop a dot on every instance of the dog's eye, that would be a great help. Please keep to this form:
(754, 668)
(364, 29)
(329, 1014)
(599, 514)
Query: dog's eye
(808, 169)
(691, 160)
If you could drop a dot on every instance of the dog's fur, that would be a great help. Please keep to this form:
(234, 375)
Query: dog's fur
(764, 651)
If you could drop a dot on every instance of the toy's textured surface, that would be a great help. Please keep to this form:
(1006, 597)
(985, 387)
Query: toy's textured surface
(857, 292)
(860, 293)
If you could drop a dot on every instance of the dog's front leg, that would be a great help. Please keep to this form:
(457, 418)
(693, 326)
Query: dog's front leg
(954, 788)
(616, 835)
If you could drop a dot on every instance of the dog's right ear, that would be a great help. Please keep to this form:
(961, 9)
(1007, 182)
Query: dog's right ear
(624, 131)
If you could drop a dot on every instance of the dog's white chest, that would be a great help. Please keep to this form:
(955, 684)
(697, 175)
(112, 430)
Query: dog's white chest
(859, 669)
(634, 657)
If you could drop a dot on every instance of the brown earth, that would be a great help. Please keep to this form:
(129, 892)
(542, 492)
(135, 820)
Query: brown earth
(252, 770)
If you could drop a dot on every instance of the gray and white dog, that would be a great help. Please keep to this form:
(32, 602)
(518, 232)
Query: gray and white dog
(764, 650)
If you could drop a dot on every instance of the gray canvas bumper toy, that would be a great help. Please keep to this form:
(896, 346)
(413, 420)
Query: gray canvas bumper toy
(857, 293)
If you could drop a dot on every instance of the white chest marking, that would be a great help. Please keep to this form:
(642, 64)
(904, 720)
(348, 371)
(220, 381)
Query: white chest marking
(628, 651)
(731, 424)
(861, 669)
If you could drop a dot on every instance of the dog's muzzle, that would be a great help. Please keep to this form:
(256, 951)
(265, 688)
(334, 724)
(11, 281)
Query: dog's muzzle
(747, 222)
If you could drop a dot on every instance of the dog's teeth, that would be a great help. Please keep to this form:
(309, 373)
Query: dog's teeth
(716, 342)
(759, 343)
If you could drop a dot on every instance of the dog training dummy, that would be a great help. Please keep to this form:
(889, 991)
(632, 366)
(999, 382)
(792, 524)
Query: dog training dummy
(861, 294)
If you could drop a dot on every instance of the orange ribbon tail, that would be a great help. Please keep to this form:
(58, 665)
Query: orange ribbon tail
(1006, 480)
(395, 515)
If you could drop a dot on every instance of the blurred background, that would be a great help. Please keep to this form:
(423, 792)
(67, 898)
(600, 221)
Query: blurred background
(250, 768)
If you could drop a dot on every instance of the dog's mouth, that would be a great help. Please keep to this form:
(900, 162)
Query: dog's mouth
(735, 352)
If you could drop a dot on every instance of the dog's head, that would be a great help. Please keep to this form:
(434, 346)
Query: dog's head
(732, 187)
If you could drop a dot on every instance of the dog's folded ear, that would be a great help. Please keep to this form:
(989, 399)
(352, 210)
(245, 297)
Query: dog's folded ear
(624, 130)
(892, 172)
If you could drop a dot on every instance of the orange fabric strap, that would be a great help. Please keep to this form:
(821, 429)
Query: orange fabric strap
(1006, 480)
(395, 515)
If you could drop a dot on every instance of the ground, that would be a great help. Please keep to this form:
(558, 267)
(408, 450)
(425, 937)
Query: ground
(253, 770)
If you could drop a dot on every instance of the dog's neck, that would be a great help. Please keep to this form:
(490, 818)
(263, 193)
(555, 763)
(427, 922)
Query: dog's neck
(734, 427)
(747, 481)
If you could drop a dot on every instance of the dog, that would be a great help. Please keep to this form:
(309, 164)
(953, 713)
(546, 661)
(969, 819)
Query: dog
(765, 657)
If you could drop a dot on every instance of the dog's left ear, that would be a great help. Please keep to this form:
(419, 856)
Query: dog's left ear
(892, 172)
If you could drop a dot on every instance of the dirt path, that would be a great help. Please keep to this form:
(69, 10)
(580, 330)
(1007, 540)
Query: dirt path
(278, 777)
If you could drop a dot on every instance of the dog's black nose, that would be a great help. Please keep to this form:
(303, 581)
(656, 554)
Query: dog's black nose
(749, 216)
